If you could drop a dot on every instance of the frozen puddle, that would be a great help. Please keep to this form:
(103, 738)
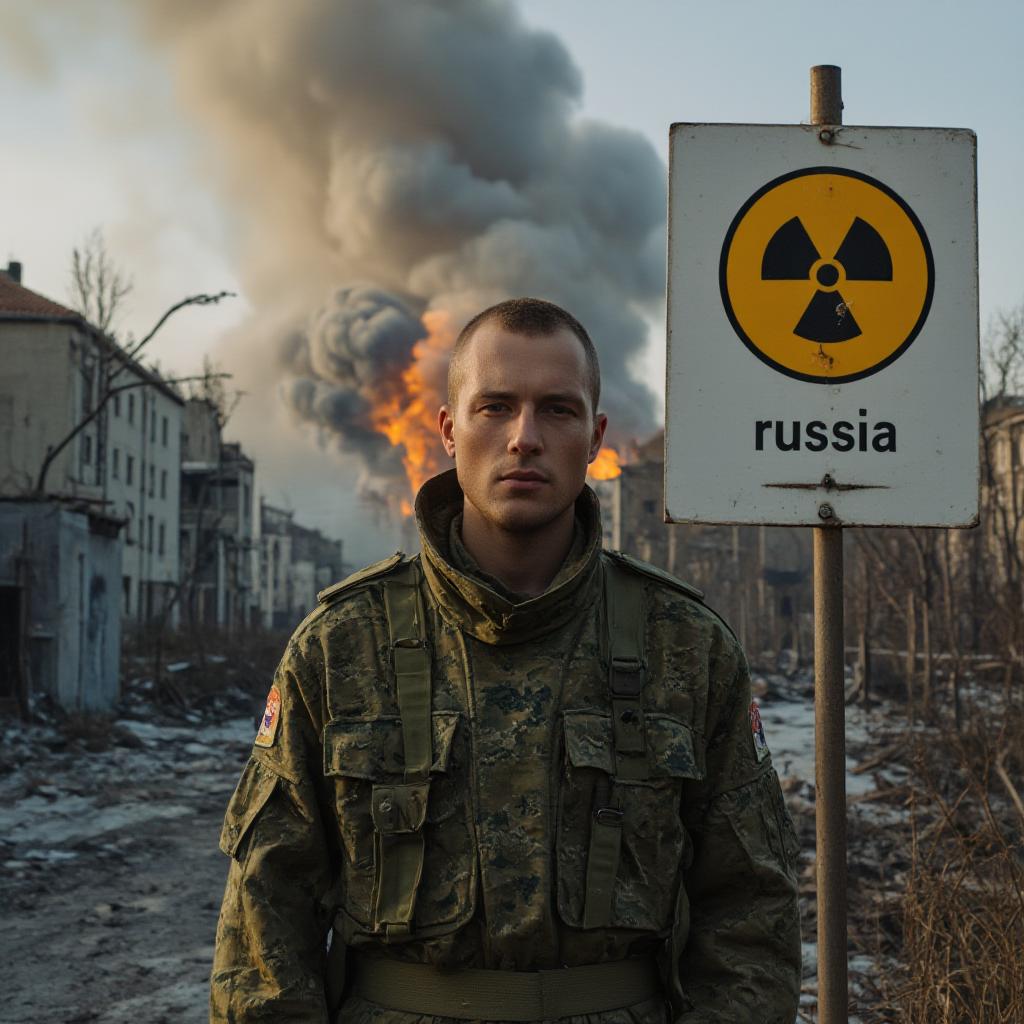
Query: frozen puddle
(43, 822)
(789, 728)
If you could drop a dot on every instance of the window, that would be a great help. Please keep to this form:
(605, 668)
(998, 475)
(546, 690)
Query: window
(152, 480)
(152, 426)
(163, 431)
(163, 483)
(131, 408)
(126, 583)
(130, 516)
(117, 412)
(160, 541)
(115, 464)
(87, 449)
(149, 531)
(129, 469)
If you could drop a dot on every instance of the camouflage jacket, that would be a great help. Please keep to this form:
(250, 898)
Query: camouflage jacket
(521, 737)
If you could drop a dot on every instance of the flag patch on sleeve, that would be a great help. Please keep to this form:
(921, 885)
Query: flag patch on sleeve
(757, 731)
(269, 721)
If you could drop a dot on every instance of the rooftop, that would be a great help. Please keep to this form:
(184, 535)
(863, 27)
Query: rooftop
(20, 303)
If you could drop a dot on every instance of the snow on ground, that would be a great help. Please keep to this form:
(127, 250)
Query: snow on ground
(787, 712)
(111, 877)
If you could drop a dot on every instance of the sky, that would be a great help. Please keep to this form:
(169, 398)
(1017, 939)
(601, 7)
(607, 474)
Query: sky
(97, 137)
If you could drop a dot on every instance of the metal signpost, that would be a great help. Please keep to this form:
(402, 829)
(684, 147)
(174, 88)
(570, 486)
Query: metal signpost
(822, 369)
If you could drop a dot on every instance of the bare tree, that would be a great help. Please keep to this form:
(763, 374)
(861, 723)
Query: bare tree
(98, 287)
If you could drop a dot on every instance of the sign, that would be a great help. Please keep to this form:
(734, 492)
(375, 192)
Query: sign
(822, 326)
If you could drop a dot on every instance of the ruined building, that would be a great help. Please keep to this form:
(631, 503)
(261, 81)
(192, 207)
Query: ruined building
(295, 563)
(218, 533)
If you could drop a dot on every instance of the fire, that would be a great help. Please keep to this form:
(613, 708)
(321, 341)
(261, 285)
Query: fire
(408, 418)
(605, 466)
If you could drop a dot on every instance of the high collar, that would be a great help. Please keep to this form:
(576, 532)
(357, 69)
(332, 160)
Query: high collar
(467, 602)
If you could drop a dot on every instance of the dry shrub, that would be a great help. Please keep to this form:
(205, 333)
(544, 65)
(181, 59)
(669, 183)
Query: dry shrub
(963, 910)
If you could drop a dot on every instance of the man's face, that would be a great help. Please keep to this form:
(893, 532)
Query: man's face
(522, 431)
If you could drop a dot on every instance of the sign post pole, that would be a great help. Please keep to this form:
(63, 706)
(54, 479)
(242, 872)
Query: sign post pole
(829, 696)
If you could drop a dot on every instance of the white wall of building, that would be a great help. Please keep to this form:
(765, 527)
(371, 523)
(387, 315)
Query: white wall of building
(143, 482)
(42, 396)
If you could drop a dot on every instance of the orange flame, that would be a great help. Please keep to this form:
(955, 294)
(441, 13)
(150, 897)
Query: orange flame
(408, 418)
(605, 466)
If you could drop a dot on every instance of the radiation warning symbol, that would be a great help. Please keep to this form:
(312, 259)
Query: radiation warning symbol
(826, 275)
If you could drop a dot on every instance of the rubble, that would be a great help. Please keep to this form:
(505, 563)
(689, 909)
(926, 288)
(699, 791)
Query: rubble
(111, 874)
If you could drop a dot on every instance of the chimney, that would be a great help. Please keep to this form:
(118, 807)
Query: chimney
(14, 271)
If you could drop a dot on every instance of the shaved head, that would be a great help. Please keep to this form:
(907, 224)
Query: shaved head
(532, 318)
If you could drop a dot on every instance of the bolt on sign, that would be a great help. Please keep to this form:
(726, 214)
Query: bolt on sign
(822, 326)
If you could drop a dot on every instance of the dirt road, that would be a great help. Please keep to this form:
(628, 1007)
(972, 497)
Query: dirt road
(112, 879)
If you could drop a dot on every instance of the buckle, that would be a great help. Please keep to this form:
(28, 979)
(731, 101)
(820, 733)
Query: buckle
(626, 677)
(611, 816)
(405, 642)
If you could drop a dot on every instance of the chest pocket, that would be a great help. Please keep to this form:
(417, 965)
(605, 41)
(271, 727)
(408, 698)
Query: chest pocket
(385, 875)
(622, 845)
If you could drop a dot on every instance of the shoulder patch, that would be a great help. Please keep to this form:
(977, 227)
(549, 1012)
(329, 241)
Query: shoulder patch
(385, 565)
(757, 731)
(657, 574)
(271, 718)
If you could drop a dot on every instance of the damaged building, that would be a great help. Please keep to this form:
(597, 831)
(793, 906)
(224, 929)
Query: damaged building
(62, 562)
(295, 562)
(218, 538)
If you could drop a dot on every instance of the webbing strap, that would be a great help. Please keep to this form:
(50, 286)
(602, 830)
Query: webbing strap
(399, 811)
(625, 607)
(625, 616)
(602, 866)
(410, 656)
(473, 994)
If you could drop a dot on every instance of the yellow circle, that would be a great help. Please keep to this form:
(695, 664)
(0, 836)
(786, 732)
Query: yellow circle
(851, 318)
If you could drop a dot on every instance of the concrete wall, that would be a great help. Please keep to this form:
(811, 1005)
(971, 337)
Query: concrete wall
(73, 591)
(41, 396)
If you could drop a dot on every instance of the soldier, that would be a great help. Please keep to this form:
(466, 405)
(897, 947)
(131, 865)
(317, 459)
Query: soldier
(515, 777)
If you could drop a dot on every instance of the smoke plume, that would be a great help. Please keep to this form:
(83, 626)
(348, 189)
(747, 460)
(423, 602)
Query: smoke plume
(390, 168)
(430, 151)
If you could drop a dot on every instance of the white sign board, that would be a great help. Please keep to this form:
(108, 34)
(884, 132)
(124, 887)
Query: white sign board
(822, 326)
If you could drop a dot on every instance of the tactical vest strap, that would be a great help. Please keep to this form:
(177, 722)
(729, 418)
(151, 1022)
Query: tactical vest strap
(399, 811)
(410, 655)
(624, 600)
(624, 608)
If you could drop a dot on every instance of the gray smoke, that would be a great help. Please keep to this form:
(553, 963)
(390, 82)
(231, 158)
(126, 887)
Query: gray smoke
(431, 149)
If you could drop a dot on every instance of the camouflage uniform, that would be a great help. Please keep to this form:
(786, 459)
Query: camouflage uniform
(520, 719)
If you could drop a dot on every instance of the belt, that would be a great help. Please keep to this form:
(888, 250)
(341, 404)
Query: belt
(472, 994)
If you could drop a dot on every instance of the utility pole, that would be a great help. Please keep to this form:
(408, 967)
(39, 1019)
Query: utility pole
(829, 690)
